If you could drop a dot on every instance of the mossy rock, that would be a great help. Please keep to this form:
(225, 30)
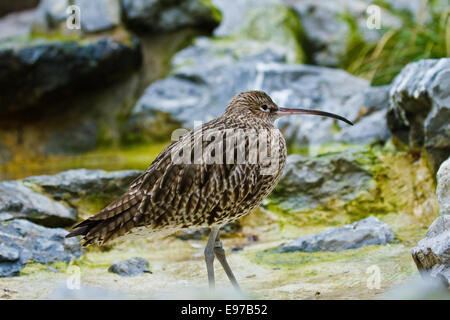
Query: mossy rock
(348, 186)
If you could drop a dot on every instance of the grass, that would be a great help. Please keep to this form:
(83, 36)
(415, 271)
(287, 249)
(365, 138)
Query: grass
(421, 37)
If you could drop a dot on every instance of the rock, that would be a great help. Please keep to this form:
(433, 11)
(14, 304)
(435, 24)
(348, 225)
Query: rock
(328, 33)
(50, 15)
(22, 241)
(443, 187)
(309, 182)
(269, 32)
(370, 128)
(31, 66)
(99, 15)
(420, 108)
(369, 231)
(16, 24)
(19, 201)
(130, 267)
(80, 183)
(201, 92)
(95, 16)
(371, 124)
(431, 254)
(165, 16)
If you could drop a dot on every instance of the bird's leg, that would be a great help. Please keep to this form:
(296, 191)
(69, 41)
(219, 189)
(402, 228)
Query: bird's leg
(220, 254)
(209, 256)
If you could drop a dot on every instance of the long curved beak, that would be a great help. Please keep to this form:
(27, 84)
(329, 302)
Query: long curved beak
(287, 111)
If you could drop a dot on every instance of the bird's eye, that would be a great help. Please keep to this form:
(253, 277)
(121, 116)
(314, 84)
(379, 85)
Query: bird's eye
(265, 108)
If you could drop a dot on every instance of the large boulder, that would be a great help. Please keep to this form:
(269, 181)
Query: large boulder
(309, 182)
(370, 125)
(20, 201)
(165, 16)
(22, 241)
(81, 183)
(47, 69)
(369, 231)
(443, 187)
(95, 16)
(432, 254)
(16, 24)
(420, 108)
(327, 25)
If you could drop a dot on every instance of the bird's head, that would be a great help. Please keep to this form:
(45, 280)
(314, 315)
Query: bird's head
(258, 104)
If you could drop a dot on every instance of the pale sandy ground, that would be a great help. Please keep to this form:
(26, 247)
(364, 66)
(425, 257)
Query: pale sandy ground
(179, 272)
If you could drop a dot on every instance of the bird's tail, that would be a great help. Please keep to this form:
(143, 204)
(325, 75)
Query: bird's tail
(114, 221)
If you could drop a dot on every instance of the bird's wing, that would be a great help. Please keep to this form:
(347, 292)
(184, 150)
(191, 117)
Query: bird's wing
(177, 194)
(189, 194)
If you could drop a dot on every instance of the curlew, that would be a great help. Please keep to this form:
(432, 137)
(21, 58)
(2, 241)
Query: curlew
(212, 175)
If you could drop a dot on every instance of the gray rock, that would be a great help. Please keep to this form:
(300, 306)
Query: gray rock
(16, 24)
(443, 187)
(75, 184)
(369, 231)
(235, 13)
(201, 92)
(420, 108)
(99, 15)
(432, 254)
(20, 201)
(50, 14)
(370, 128)
(31, 65)
(373, 104)
(130, 267)
(165, 16)
(327, 32)
(22, 241)
(309, 182)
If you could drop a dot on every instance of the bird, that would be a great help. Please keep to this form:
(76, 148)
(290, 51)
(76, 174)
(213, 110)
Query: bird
(212, 175)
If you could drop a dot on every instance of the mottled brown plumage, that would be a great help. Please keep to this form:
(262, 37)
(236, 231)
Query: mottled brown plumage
(172, 194)
(175, 196)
